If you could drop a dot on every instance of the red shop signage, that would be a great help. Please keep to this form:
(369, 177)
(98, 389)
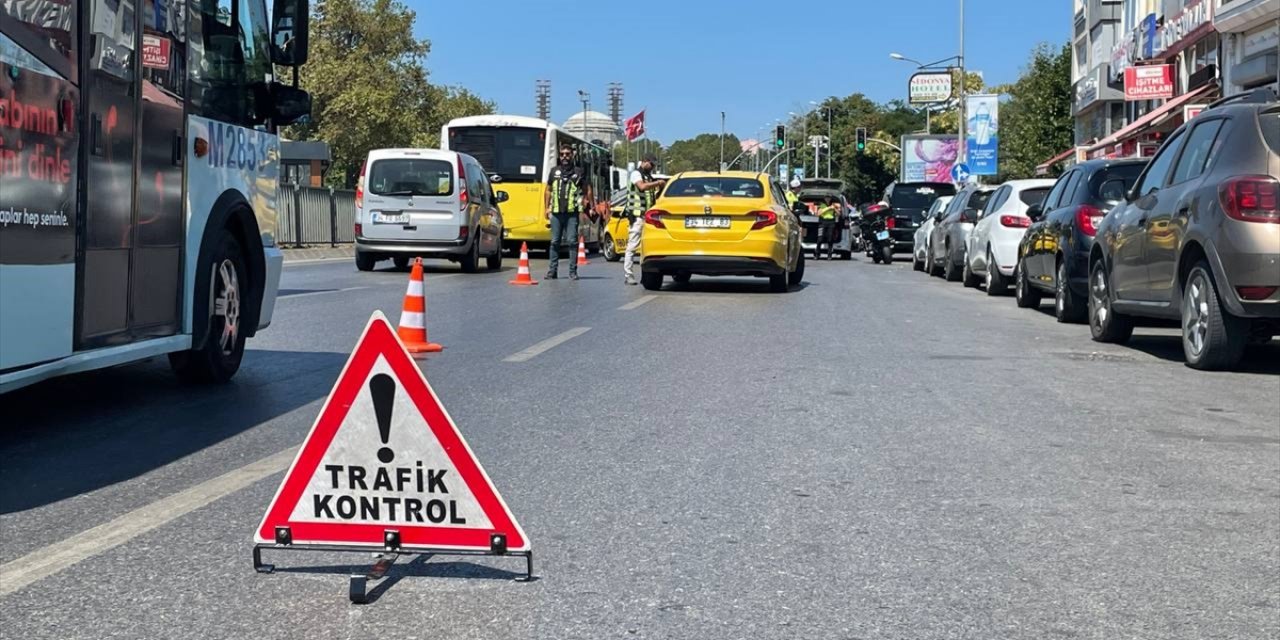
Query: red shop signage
(1150, 82)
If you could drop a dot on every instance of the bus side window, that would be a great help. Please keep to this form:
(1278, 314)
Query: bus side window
(230, 62)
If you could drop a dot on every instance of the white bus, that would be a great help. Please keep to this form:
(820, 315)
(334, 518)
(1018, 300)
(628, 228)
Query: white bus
(518, 152)
(138, 173)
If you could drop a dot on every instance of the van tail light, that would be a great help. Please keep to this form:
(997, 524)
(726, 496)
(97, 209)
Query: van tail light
(1255, 293)
(359, 229)
(463, 232)
(464, 198)
(764, 219)
(1015, 221)
(654, 217)
(360, 191)
(891, 223)
(1251, 198)
(1088, 217)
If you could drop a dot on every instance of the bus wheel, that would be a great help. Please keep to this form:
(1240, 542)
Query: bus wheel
(219, 358)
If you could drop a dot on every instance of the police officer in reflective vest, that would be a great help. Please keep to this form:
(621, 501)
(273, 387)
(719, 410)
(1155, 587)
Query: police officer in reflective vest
(642, 192)
(827, 216)
(568, 195)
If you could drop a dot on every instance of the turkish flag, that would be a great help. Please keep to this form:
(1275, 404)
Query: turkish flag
(635, 126)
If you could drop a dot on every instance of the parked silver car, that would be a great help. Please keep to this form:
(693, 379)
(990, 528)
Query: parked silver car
(920, 245)
(951, 229)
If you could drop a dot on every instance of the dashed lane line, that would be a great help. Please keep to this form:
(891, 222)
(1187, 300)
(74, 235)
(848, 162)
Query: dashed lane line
(546, 345)
(637, 302)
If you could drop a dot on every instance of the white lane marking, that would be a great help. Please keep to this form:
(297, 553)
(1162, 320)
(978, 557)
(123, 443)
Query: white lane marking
(546, 345)
(637, 302)
(44, 562)
(320, 293)
(290, 263)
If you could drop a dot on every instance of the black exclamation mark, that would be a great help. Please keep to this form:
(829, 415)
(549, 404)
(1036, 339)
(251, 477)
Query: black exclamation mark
(383, 388)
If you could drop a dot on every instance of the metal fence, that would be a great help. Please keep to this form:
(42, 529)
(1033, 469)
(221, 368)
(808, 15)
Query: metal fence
(315, 215)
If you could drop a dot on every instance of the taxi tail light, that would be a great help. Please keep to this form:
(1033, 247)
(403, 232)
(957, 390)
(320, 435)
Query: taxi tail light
(463, 197)
(1088, 217)
(360, 191)
(764, 219)
(654, 217)
(1251, 198)
(1015, 221)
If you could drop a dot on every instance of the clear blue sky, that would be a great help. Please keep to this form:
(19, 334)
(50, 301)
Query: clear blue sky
(707, 56)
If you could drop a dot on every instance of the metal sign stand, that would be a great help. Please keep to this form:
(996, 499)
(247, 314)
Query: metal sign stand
(391, 551)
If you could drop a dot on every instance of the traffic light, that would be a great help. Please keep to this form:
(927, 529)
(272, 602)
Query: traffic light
(780, 136)
(862, 139)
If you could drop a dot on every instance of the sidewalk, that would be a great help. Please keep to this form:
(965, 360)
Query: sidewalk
(319, 252)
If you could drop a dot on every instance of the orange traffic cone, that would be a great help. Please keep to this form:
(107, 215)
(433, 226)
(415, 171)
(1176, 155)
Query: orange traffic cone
(582, 251)
(522, 274)
(413, 319)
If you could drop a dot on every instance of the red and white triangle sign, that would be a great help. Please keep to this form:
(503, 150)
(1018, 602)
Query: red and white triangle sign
(385, 455)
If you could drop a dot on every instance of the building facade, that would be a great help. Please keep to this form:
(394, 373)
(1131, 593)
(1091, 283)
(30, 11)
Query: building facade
(1250, 32)
(1097, 107)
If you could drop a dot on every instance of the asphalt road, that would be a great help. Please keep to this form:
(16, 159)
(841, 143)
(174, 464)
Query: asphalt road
(877, 454)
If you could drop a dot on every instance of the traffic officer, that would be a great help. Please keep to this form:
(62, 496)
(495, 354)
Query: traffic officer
(792, 198)
(568, 195)
(827, 216)
(642, 192)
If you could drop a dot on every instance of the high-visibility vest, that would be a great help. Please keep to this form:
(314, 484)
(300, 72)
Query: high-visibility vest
(638, 200)
(792, 198)
(573, 195)
(828, 212)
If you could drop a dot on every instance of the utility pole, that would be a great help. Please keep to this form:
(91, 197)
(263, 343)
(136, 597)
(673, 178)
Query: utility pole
(964, 121)
(721, 140)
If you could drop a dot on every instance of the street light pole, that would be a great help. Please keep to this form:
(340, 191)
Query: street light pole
(721, 140)
(586, 100)
(964, 122)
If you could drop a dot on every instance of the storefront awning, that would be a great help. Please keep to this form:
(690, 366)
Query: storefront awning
(1043, 167)
(1156, 116)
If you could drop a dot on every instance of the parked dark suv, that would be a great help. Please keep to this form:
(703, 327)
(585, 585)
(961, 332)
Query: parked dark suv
(909, 201)
(1198, 238)
(1053, 257)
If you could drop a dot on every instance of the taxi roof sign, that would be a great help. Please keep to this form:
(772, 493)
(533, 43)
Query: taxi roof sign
(385, 457)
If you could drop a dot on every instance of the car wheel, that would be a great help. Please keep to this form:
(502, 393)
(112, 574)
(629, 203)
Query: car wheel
(1066, 306)
(1024, 295)
(846, 255)
(400, 262)
(681, 278)
(1212, 338)
(970, 279)
(778, 283)
(996, 284)
(949, 269)
(471, 261)
(1105, 324)
(930, 264)
(609, 249)
(916, 263)
(365, 261)
(494, 262)
(219, 358)
(651, 280)
(797, 276)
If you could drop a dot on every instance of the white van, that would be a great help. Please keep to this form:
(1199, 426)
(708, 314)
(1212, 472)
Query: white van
(427, 203)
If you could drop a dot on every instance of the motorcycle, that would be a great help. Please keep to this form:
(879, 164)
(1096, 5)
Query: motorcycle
(876, 222)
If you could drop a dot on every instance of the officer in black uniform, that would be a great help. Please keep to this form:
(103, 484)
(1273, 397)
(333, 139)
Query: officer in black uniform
(568, 195)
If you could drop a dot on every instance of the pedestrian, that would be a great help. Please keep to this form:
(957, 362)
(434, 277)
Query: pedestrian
(827, 216)
(642, 192)
(568, 195)
(791, 196)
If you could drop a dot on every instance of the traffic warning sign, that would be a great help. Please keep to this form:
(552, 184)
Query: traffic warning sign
(384, 458)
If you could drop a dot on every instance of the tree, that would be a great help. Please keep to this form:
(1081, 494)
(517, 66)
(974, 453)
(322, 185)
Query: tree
(625, 151)
(368, 82)
(1035, 122)
(700, 153)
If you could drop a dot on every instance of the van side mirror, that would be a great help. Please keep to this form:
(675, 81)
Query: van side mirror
(1035, 211)
(289, 32)
(501, 197)
(290, 104)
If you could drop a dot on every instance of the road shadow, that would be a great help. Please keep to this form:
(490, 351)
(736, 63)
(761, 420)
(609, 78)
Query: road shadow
(1260, 359)
(730, 285)
(104, 427)
(419, 567)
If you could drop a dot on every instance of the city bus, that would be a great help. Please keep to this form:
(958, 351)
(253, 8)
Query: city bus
(519, 152)
(138, 174)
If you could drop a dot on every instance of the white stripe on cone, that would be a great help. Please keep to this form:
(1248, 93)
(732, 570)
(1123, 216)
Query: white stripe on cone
(415, 288)
(413, 320)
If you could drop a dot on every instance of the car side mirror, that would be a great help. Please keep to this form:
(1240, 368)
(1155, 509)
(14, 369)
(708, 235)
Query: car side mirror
(291, 104)
(1035, 212)
(495, 178)
(290, 32)
(501, 197)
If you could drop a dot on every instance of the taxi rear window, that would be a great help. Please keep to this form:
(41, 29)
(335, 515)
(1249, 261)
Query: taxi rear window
(715, 186)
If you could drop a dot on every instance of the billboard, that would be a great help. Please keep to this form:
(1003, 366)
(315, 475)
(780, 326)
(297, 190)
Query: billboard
(1151, 82)
(929, 87)
(928, 158)
(982, 125)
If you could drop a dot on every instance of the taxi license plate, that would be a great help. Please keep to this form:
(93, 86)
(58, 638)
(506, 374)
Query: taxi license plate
(717, 222)
(882, 235)
(382, 217)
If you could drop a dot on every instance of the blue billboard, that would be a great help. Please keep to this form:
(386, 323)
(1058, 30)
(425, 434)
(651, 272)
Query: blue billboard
(982, 134)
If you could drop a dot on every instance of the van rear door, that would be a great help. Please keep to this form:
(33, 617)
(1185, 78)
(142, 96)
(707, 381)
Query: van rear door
(412, 199)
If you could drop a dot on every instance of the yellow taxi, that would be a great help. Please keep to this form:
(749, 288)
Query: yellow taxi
(735, 223)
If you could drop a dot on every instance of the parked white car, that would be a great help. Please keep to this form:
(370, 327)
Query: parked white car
(992, 252)
(921, 244)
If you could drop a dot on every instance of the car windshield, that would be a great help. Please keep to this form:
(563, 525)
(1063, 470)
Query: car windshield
(410, 177)
(715, 186)
(1031, 197)
(918, 196)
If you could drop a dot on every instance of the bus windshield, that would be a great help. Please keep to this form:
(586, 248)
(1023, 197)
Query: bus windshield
(515, 153)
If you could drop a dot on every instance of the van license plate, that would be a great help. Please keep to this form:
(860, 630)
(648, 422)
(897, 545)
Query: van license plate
(882, 235)
(381, 217)
(717, 222)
